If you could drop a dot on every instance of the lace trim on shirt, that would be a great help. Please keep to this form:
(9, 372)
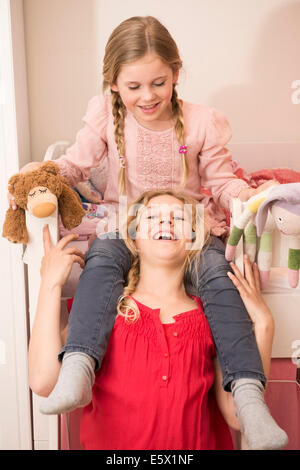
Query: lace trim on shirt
(155, 159)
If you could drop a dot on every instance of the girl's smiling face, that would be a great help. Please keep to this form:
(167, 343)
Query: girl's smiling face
(164, 230)
(146, 88)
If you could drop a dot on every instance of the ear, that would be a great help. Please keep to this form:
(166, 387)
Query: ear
(13, 180)
(175, 77)
(50, 167)
(14, 228)
(70, 209)
(114, 87)
(261, 217)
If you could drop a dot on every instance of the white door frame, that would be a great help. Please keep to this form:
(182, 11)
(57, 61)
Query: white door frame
(22, 426)
(15, 402)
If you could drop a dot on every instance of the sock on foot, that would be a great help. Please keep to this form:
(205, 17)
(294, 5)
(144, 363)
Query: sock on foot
(74, 385)
(256, 423)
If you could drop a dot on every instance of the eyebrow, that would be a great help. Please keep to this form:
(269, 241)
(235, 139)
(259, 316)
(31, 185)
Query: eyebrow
(157, 208)
(136, 83)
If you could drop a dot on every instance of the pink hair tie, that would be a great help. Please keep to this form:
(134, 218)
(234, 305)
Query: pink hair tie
(122, 161)
(183, 149)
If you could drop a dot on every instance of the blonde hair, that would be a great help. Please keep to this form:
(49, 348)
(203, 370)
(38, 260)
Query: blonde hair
(130, 41)
(201, 229)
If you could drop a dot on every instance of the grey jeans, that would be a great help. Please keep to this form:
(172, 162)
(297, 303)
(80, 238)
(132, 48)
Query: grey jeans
(102, 281)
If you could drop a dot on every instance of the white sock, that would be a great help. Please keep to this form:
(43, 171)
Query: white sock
(74, 385)
(256, 423)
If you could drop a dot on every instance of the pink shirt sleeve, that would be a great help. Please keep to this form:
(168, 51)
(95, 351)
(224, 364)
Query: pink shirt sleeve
(90, 146)
(215, 161)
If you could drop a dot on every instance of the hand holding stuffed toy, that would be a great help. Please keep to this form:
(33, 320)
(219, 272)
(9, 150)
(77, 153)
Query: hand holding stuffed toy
(40, 192)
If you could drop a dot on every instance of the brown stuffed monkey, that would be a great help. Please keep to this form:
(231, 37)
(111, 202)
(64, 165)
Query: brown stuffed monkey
(40, 192)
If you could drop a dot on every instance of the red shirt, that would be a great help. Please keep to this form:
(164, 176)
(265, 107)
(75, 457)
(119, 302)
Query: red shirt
(153, 391)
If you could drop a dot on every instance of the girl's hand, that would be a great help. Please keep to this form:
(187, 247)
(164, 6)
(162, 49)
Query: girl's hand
(57, 262)
(250, 292)
(11, 201)
(245, 194)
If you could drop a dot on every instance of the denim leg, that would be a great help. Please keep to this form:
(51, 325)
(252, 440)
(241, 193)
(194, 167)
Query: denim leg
(95, 302)
(227, 316)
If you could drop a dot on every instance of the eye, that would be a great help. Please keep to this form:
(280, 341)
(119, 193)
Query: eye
(43, 190)
(280, 219)
(133, 87)
(159, 84)
(178, 217)
(32, 194)
(152, 216)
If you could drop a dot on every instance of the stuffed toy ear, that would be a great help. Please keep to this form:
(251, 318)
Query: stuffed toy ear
(261, 217)
(13, 180)
(50, 167)
(70, 208)
(14, 227)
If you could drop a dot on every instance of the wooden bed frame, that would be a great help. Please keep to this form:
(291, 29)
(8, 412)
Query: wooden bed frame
(283, 302)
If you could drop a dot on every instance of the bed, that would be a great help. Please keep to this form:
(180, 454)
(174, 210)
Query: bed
(283, 301)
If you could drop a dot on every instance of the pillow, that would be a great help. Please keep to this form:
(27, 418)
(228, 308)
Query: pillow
(93, 189)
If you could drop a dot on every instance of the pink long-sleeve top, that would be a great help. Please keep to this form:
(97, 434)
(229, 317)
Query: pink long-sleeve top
(153, 159)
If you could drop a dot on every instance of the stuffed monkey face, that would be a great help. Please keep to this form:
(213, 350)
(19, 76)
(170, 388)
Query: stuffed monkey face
(287, 222)
(41, 202)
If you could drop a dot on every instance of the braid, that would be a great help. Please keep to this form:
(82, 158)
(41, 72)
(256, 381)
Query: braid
(127, 307)
(118, 111)
(179, 130)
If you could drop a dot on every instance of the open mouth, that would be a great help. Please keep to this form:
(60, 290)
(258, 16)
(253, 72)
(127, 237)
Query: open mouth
(149, 108)
(164, 236)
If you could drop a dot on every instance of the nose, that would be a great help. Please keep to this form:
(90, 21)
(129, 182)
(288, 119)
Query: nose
(165, 220)
(44, 209)
(148, 94)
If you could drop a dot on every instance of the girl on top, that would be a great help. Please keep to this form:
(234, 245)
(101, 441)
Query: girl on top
(152, 139)
(160, 381)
